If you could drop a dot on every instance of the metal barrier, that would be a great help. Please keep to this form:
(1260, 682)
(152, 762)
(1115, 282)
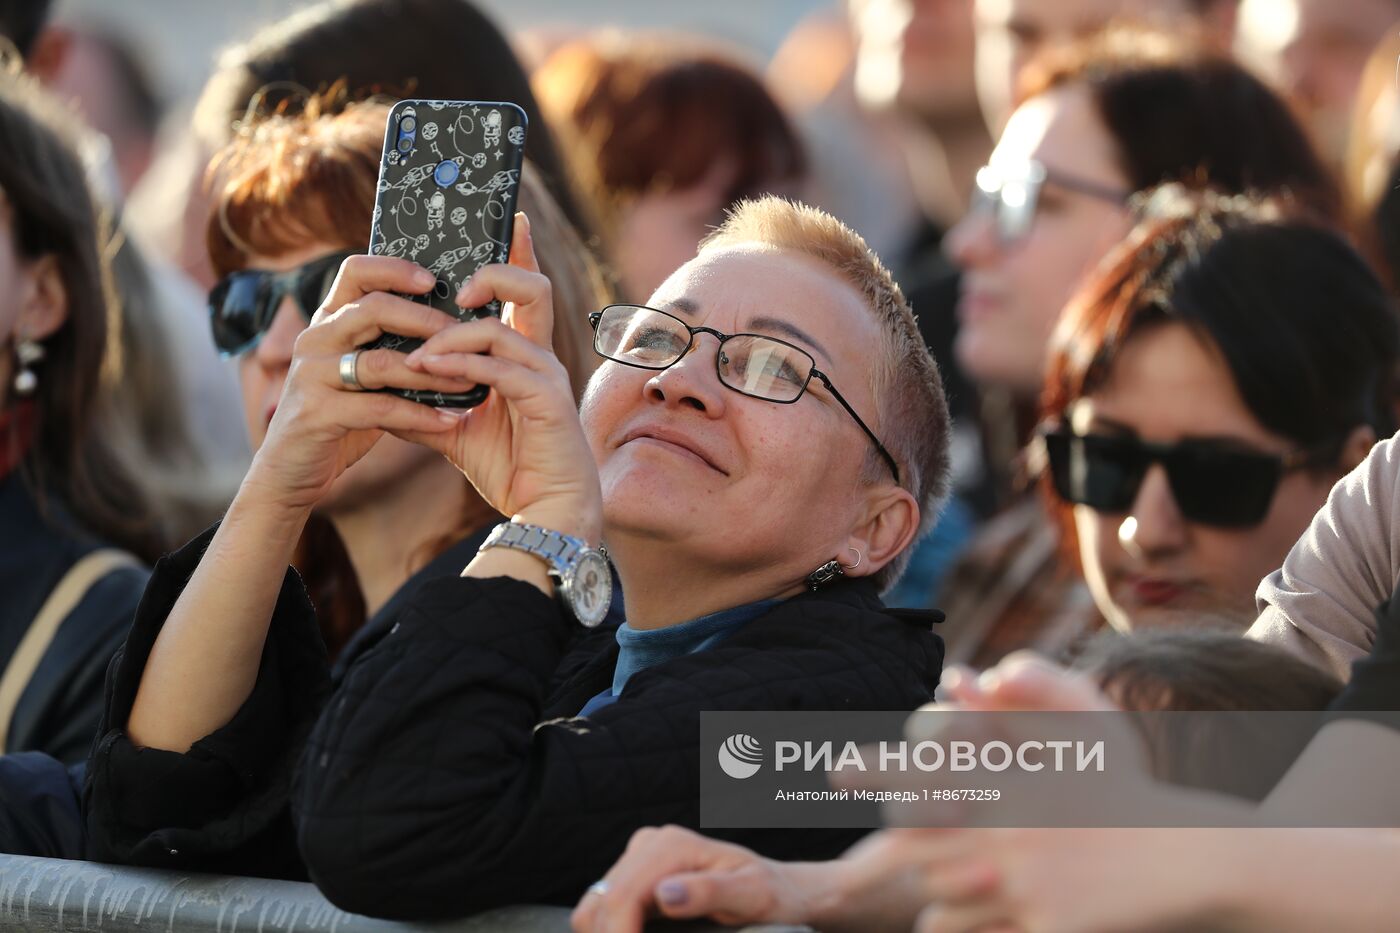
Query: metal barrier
(49, 895)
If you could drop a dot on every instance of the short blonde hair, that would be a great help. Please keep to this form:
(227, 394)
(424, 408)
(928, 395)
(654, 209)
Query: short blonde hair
(910, 406)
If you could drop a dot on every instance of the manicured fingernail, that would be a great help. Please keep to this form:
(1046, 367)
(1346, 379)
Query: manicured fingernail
(423, 278)
(450, 416)
(431, 358)
(672, 893)
(466, 287)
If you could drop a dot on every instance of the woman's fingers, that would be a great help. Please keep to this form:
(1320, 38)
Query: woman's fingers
(361, 275)
(742, 896)
(371, 316)
(526, 293)
(522, 247)
(381, 369)
(652, 854)
(1025, 680)
(489, 336)
(378, 411)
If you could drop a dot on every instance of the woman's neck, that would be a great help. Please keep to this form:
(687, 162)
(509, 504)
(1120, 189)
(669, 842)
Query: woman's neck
(385, 536)
(662, 587)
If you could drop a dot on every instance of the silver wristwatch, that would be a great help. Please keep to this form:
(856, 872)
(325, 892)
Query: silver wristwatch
(581, 574)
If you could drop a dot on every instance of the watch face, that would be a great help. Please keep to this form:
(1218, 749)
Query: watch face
(589, 590)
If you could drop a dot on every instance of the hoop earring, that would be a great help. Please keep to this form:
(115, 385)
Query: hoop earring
(858, 559)
(27, 353)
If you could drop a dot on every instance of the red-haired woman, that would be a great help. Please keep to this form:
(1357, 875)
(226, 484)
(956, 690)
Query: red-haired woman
(665, 134)
(294, 196)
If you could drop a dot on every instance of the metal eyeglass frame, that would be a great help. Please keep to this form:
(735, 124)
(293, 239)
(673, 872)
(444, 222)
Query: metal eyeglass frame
(1033, 175)
(596, 316)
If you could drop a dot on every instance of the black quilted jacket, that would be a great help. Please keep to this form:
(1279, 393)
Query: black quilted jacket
(446, 773)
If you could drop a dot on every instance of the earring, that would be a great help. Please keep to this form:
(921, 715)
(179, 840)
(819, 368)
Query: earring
(824, 574)
(27, 353)
(831, 570)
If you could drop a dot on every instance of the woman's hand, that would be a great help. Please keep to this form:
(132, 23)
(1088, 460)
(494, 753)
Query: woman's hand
(676, 873)
(523, 448)
(321, 426)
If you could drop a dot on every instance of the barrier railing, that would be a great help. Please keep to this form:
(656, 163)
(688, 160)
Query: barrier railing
(49, 895)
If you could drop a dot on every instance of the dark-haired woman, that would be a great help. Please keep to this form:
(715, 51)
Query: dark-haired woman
(1096, 121)
(440, 49)
(75, 528)
(1206, 390)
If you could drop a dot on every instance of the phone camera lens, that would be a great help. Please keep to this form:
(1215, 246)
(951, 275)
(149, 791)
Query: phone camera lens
(408, 125)
(405, 143)
(446, 173)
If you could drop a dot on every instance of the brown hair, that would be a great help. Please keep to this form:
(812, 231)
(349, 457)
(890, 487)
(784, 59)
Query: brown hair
(1177, 112)
(310, 176)
(440, 49)
(911, 409)
(54, 214)
(658, 113)
(1162, 676)
(1203, 668)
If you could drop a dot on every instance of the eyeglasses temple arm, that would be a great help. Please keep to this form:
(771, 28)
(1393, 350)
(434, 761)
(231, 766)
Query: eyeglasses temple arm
(894, 467)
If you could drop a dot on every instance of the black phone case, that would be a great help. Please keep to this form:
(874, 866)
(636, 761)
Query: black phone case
(446, 200)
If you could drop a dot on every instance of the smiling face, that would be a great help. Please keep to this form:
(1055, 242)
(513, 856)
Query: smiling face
(262, 373)
(1150, 567)
(733, 482)
(1012, 294)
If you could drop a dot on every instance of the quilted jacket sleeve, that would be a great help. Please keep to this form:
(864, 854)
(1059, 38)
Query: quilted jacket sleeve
(430, 787)
(221, 806)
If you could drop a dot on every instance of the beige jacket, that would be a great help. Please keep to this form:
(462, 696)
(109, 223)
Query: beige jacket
(1321, 603)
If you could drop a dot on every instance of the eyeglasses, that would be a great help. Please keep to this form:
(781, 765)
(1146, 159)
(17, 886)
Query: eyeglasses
(750, 364)
(243, 304)
(1012, 194)
(1212, 484)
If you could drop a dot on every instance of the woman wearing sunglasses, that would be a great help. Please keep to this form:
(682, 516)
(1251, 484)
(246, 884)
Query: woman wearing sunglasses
(1206, 389)
(1098, 120)
(293, 198)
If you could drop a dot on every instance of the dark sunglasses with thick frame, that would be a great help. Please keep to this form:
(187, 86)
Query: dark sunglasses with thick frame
(784, 383)
(243, 304)
(1213, 484)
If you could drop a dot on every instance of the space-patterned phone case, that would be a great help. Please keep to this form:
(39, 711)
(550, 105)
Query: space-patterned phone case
(448, 181)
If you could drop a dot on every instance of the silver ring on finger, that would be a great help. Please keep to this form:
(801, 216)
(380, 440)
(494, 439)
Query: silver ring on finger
(598, 887)
(348, 376)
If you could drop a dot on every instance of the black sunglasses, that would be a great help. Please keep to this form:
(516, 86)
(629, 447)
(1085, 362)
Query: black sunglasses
(243, 304)
(751, 364)
(1212, 484)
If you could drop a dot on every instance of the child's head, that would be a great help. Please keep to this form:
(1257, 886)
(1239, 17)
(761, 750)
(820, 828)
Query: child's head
(1200, 696)
(1204, 669)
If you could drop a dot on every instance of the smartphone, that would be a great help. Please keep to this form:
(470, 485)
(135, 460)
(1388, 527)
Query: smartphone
(448, 181)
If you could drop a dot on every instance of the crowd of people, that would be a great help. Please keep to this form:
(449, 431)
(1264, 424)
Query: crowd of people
(1000, 355)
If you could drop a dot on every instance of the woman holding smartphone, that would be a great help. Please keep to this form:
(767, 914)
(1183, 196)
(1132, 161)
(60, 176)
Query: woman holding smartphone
(491, 749)
(294, 197)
